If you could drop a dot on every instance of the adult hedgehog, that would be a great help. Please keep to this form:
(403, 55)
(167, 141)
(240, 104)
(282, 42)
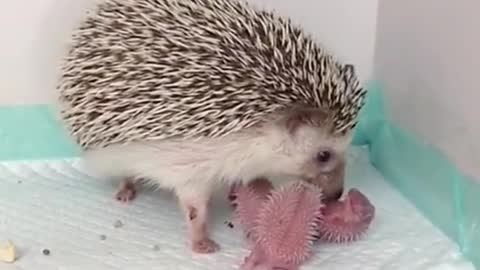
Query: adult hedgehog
(191, 94)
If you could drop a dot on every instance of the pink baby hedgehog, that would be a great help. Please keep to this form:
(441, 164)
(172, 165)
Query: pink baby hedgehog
(282, 225)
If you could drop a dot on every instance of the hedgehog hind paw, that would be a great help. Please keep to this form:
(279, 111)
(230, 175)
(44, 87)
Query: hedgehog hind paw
(283, 267)
(127, 190)
(255, 259)
(258, 260)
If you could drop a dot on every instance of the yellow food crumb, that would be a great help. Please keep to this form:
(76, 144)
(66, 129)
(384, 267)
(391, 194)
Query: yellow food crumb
(7, 252)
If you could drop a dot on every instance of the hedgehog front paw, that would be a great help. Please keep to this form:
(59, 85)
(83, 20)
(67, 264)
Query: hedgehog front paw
(126, 192)
(205, 246)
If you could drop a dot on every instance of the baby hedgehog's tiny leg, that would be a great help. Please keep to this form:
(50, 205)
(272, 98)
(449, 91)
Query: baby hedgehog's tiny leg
(127, 190)
(195, 209)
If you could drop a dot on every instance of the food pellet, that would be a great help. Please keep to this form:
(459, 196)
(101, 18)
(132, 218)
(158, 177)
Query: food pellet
(118, 224)
(7, 252)
(46, 252)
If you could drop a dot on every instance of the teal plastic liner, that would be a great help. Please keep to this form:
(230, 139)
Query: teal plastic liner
(423, 174)
(420, 172)
(31, 132)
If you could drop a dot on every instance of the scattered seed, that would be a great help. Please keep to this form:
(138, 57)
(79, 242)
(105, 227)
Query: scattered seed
(46, 252)
(118, 224)
(103, 237)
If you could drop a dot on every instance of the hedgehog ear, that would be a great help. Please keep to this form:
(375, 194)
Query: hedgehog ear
(298, 117)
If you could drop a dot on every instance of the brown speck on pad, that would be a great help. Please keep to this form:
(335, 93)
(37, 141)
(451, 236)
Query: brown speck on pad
(118, 224)
(46, 252)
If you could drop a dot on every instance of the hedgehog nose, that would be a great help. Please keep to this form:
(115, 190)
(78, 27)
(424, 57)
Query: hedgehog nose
(336, 196)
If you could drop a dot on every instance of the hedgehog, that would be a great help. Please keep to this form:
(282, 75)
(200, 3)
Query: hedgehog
(192, 95)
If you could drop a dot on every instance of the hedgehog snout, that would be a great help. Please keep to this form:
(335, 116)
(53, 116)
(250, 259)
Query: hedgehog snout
(332, 185)
(332, 181)
(336, 195)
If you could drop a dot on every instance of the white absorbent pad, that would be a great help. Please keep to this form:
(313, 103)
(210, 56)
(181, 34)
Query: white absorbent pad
(57, 205)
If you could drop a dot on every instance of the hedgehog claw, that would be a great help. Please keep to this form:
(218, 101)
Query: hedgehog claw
(252, 261)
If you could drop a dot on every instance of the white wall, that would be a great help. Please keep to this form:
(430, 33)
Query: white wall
(33, 33)
(346, 27)
(428, 56)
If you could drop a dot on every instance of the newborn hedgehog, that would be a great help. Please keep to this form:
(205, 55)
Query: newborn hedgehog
(281, 225)
(190, 94)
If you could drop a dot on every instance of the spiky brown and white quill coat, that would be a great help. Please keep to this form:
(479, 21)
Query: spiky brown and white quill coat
(191, 93)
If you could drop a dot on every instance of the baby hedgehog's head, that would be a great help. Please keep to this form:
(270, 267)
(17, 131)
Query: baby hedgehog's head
(306, 147)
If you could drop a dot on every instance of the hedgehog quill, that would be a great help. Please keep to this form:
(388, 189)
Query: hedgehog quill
(194, 94)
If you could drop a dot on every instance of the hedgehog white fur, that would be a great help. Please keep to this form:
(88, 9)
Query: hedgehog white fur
(191, 94)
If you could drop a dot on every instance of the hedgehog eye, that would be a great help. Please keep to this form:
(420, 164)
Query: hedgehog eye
(324, 156)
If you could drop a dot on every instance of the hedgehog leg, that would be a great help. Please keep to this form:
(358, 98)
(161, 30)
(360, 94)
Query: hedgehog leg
(254, 259)
(127, 191)
(195, 209)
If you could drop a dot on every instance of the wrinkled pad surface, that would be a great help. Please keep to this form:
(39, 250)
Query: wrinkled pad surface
(58, 205)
